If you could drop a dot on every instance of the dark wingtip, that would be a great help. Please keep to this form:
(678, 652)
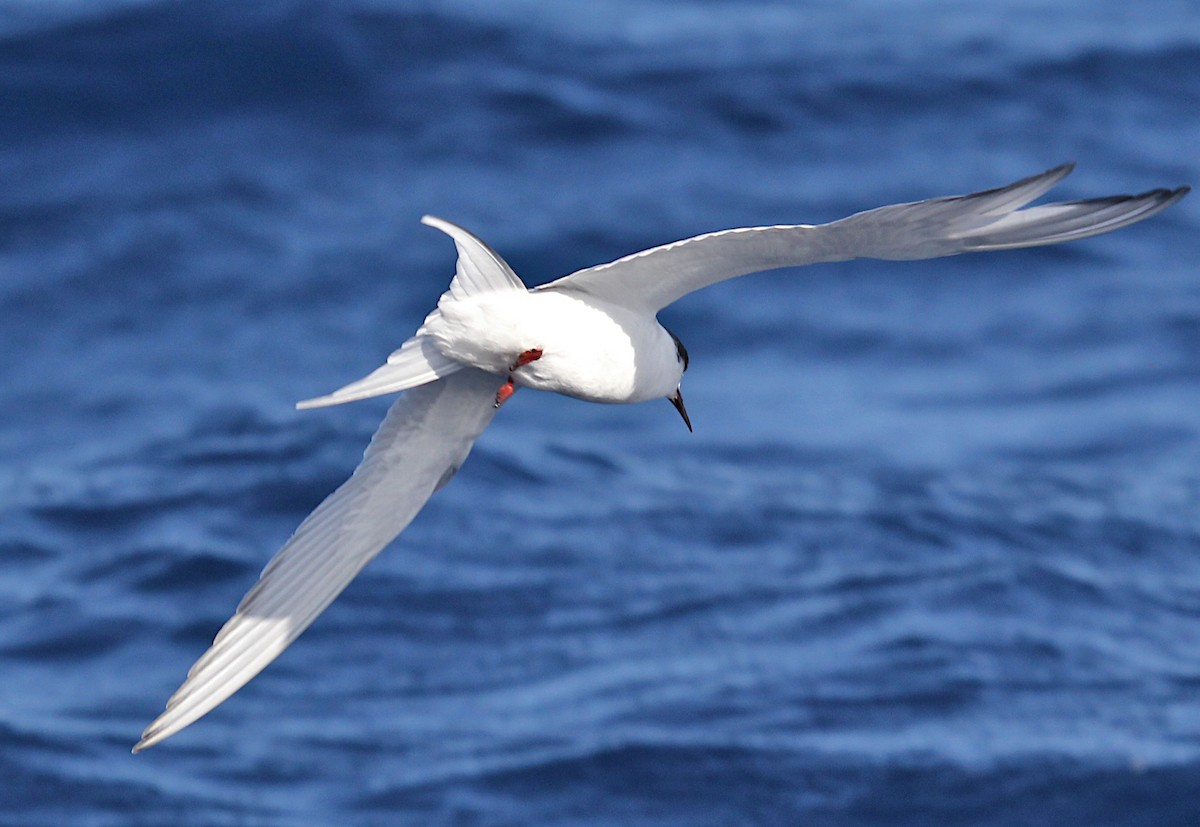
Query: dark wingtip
(1162, 198)
(1061, 171)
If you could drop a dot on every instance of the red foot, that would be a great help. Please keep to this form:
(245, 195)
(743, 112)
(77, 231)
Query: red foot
(526, 357)
(506, 390)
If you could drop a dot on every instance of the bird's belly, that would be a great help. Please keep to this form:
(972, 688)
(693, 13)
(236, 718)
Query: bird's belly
(588, 352)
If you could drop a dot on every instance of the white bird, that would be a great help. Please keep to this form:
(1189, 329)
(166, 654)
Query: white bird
(592, 335)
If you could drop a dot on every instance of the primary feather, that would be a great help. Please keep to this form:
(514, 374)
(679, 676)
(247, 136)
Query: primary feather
(989, 220)
(423, 440)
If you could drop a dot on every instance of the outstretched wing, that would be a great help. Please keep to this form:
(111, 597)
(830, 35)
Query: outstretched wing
(423, 440)
(990, 220)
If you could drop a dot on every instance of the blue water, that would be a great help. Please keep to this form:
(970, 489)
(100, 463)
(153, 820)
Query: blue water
(932, 556)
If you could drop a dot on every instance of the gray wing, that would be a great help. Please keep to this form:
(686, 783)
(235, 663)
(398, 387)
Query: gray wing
(990, 220)
(425, 437)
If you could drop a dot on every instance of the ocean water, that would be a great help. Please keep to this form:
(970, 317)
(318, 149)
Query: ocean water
(932, 556)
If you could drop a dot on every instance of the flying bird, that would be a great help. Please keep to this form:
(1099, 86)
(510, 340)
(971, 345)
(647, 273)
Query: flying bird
(593, 335)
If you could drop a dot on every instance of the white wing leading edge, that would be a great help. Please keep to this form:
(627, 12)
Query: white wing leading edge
(992, 220)
(425, 437)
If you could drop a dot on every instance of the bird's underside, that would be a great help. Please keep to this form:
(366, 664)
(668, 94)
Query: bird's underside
(429, 431)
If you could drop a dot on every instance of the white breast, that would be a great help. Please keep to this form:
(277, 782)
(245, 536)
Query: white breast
(590, 350)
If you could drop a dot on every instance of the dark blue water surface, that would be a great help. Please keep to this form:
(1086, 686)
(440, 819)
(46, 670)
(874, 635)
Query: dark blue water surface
(932, 556)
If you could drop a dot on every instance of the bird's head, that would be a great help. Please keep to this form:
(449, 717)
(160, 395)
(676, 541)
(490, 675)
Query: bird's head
(677, 398)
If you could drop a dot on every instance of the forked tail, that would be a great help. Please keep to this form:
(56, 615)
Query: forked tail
(480, 270)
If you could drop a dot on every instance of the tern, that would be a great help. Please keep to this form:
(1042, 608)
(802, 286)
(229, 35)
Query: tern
(592, 335)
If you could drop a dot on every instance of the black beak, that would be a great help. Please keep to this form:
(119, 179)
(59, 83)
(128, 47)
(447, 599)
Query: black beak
(677, 401)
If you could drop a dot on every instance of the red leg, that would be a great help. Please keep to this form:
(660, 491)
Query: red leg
(506, 390)
(531, 355)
